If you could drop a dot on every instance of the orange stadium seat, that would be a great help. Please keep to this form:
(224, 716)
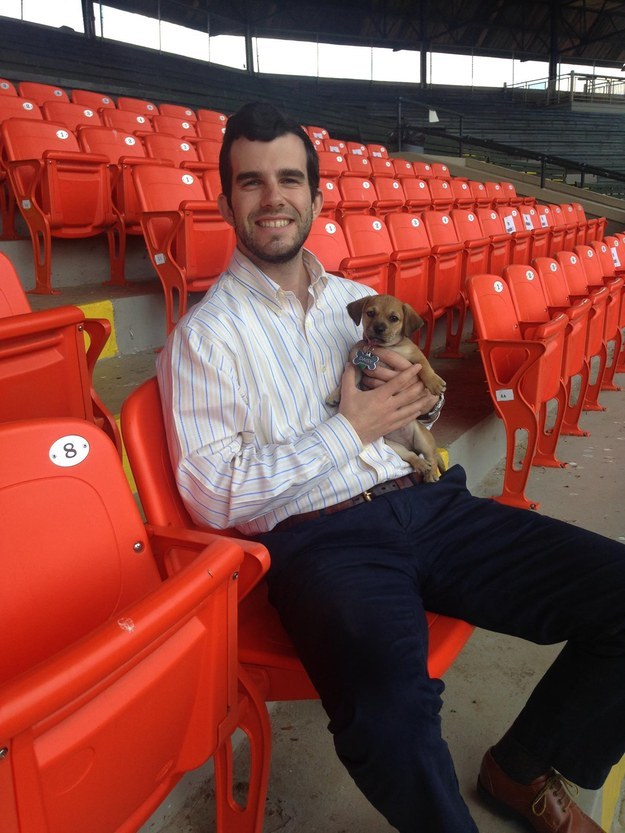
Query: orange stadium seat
(331, 196)
(122, 680)
(540, 234)
(176, 151)
(423, 169)
(520, 237)
(462, 195)
(173, 126)
(208, 152)
(547, 218)
(481, 197)
(390, 195)
(126, 120)
(71, 115)
(331, 164)
(357, 149)
(512, 198)
(569, 225)
(45, 367)
(265, 649)
(477, 246)
(178, 111)
(440, 170)
(335, 145)
(358, 165)
(188, 240)
(403, 168)
(523, 369)
(39, 92)
(136, 105)
(382, 166)
(441, 194)
(7, 87)
(357, 195)
(446, 279)
(96, 101)
(417, 195)
(210, 130)
(377, 151)
(211, 116)
(12, 107)
(496, 193)
(596, 346)
(60, 190)
(370, 249)
(409, 269)
(500, 241)
(532, 304)
(327, 242)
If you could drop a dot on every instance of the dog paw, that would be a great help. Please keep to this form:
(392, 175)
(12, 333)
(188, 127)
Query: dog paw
(436, 385)
(420, 465)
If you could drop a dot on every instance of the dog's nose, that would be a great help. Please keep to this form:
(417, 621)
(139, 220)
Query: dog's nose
(379, 328)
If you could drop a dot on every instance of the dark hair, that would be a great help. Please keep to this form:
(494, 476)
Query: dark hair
(262, 122)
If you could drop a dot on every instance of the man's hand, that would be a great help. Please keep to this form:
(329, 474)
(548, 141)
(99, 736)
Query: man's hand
(396, 397)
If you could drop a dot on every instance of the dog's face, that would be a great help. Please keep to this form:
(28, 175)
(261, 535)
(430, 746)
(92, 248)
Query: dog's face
(385, 320)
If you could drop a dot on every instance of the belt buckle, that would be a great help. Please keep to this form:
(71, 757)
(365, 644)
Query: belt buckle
(367, 495)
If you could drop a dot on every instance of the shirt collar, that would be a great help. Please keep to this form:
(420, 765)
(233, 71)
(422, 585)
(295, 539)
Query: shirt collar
(267, 290)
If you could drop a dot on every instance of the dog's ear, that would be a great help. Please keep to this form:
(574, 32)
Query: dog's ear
(355, 309)
(412, 321)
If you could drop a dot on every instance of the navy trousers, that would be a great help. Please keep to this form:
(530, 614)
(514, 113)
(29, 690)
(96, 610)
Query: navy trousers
(352, 589)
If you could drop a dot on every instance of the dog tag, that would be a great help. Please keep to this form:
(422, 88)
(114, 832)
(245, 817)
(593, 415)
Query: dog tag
(365, 361)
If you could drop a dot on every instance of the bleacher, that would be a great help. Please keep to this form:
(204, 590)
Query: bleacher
(126, 186)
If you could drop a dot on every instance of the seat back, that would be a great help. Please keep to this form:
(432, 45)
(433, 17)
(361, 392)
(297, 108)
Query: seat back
(170, 148)
(7, 87)
(13, 300)
(423, 169)
(366, 235)
(73, 193)
(481, 197)
(210, 130)
(390, 195)
(112, 143)
(327, 242)
(127, 121)
(409, 272)
(528, 294)
(358, 165)
(403, 168)
(382, 166)
(71, 115)
(441, 193)
(96, 101)
(463, 198)
(554, 281)
(119, 682)
(416, 193)
(136, 105)
(208, 152)
(39, 92)
(357, 194)
(14, 107)
(173, 126)
(331, 164)
(178, 111)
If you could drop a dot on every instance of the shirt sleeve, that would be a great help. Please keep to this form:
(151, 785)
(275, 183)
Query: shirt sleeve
(225, 474)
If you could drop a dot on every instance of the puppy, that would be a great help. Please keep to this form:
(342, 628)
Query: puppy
(389, 323)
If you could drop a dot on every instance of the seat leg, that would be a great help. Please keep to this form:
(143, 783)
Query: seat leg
(608, 378)
(116, 237)
(572, 413)
(41, 239)
(591, 403)
(518, 459)
(455, 317)
(545, 454)
(232, 817)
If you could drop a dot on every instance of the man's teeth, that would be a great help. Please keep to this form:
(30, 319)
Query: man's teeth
(273, 223)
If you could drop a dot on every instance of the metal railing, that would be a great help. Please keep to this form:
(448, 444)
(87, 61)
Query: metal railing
(575, 86)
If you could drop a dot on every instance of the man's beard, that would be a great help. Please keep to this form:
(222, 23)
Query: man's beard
(266, 253)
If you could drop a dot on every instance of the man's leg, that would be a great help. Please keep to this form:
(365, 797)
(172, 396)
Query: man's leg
(347, 590)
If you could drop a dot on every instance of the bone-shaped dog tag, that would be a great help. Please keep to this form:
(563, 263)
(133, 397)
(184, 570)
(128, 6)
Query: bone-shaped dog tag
(365, 361)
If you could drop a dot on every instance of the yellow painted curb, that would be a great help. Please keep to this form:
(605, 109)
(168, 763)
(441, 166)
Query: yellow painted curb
(103, 309)
(611, 793)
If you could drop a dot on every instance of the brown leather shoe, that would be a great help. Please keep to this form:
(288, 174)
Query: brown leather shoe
(545, 803)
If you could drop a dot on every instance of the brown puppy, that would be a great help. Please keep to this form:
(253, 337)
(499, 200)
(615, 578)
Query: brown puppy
(389, 323)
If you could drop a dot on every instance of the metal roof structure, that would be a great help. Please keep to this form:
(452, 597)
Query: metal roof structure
(570, 31)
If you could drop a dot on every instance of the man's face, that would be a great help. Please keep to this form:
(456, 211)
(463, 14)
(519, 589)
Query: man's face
(271, 208)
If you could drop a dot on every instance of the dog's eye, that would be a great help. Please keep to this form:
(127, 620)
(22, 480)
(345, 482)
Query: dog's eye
(371, 313)
(394, 318)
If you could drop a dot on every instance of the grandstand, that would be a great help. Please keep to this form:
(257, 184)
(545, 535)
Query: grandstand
(103, 145)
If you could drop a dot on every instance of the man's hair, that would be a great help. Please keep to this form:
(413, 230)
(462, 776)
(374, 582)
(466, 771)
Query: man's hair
(262, 122)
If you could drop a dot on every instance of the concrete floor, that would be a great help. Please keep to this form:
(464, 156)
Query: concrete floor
(310, 792)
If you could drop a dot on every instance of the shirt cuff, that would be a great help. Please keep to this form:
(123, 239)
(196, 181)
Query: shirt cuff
(340, 439)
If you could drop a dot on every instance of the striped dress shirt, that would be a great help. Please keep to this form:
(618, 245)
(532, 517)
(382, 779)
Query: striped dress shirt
(243, 381)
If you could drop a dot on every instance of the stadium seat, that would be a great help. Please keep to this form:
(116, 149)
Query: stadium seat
(331, 196)
(441, 194)
(568, 224)
(316, 132)
(382, 166)
(136, 105)
(71, 115)
(358, 165)
(327, 242)
(481, 197)
(119, 680)
(417, 195)
(177, 151)
(7, 87)
(96, 101)
(546, 217)
(512, 198)
(12, 107)
(210, 130)
(60, 190)
(463, 198)
(377, 151)
(189, 242)
(331, 164)
(523, 367)
(178, 111)
(596, 346)
(335, 145)
(572, 218)
(496, 194)
(500, 241)
(357, 195)
(46, 369)
(39, 92)
(409, 269)
(404, 168)
(477, 247)
(356, 149)
(265, 650)
(446, 280)
(532, 304)
(597, 278)
(540, 234)
(390, 195)
(126, 120)
(520, 237)
(440, 170)
(172, 126)
(423, 169)
(211, 116)
(208, 152)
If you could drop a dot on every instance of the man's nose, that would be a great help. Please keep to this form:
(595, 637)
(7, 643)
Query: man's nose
(272, 194)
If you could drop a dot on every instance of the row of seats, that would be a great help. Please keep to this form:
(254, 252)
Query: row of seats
(545, 332)
(39, 94)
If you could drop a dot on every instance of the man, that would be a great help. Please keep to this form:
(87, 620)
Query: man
(359, 548)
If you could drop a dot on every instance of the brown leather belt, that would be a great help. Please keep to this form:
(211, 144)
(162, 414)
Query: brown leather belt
(367, 496)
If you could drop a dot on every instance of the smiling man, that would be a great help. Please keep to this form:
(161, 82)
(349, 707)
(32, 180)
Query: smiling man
(359, 546)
